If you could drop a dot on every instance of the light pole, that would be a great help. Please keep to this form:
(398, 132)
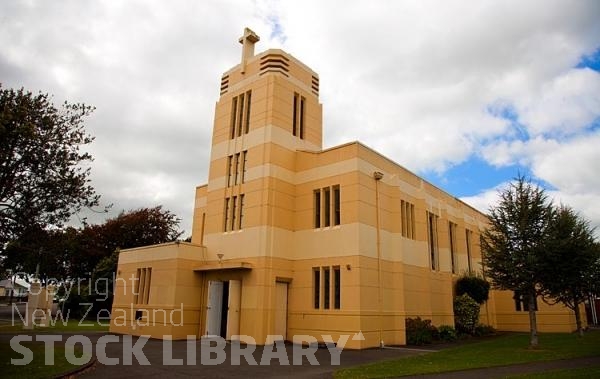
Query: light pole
(378, 176)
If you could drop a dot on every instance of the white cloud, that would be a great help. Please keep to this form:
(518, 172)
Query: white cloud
(412, 79)
(573, 166)
(486, 198)
(565, 105)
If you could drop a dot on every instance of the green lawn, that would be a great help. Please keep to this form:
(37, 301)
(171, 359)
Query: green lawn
(37, 367)
(503, 350)
(573, 373)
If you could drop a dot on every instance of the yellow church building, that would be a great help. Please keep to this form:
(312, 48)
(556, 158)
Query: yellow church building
(292, 239)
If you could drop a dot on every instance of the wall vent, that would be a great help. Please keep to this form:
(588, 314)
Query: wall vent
(224, 84)
(315, 85)
(274, 63)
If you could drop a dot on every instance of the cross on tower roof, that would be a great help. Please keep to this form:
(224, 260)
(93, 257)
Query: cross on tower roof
(248, 40)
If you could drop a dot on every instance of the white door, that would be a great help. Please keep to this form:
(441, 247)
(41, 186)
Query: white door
(233, 313)
(214, 307)
(281, 294)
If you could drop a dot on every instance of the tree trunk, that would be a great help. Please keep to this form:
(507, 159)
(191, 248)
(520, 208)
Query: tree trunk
(578, 318)
(533, 338)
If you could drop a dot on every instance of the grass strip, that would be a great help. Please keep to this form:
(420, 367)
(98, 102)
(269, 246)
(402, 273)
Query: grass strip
(503, 350)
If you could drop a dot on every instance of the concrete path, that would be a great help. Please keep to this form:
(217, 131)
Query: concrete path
(269, 364)
(153, 349)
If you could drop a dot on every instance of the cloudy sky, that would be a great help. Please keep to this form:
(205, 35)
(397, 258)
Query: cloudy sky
(465, 93)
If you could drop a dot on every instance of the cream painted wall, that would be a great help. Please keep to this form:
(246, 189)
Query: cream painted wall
(384, 277)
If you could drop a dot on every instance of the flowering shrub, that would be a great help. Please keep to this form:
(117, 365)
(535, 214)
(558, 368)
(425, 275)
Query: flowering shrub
(466, 314)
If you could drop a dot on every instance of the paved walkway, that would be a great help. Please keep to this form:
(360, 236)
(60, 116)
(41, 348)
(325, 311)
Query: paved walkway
(154, 352)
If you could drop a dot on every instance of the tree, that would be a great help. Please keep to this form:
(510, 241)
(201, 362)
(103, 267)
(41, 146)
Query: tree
(76, 253)
(473, 285)
(514, 243)
(43, 180)
(570, 261)
(94, 253)
(141, 227)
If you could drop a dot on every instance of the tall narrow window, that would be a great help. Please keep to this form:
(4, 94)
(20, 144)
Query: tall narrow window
(301, 122)
(233, 212)
(432, 239)
(317, 287)
(147, 282)
(236, 163)
(295, 115)
(452, 241)
(407, 215)
(244, 163)
(247, 119)
(241, 218)
(336, 287)
(141, 294)
(404, 218)
(468, 238)
(326, 287)
(232, 127)
(229, 170)
(411, 222)
(298, 115)
(136, 289)
(317, 207)
(336, 205)
(240, 115)
(226, 215)
(326, 207)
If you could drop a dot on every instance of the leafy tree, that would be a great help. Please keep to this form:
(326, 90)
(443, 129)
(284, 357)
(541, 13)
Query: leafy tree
(43, 178)
(141, 227)
(514, 243)
(40, 250)
(594, 278)
(75, 253)
(473, 285)
(98, 254)
(570, 261)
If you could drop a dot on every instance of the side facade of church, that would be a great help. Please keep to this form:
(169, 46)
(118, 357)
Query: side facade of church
(292, 239)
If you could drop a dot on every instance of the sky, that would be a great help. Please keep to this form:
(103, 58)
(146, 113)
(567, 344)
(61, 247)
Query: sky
(467, 94)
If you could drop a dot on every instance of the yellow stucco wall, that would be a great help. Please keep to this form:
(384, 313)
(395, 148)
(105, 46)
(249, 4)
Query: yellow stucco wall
(384, 276)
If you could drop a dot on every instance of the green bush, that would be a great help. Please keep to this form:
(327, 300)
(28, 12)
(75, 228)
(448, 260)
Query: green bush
(419, 332)
(473, 285)
(484, 330)
(447, 333)
(466, 314)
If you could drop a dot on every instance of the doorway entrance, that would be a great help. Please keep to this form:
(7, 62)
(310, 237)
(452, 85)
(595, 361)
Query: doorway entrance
(281, 302)
(223, 308)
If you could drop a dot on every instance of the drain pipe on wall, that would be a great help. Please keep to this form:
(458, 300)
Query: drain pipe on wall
(378, 176)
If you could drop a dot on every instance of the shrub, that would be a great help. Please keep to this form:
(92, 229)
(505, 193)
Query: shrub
(473, 285)
(419, 332)
(484, 330)
(466, 314)
(447, 333)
